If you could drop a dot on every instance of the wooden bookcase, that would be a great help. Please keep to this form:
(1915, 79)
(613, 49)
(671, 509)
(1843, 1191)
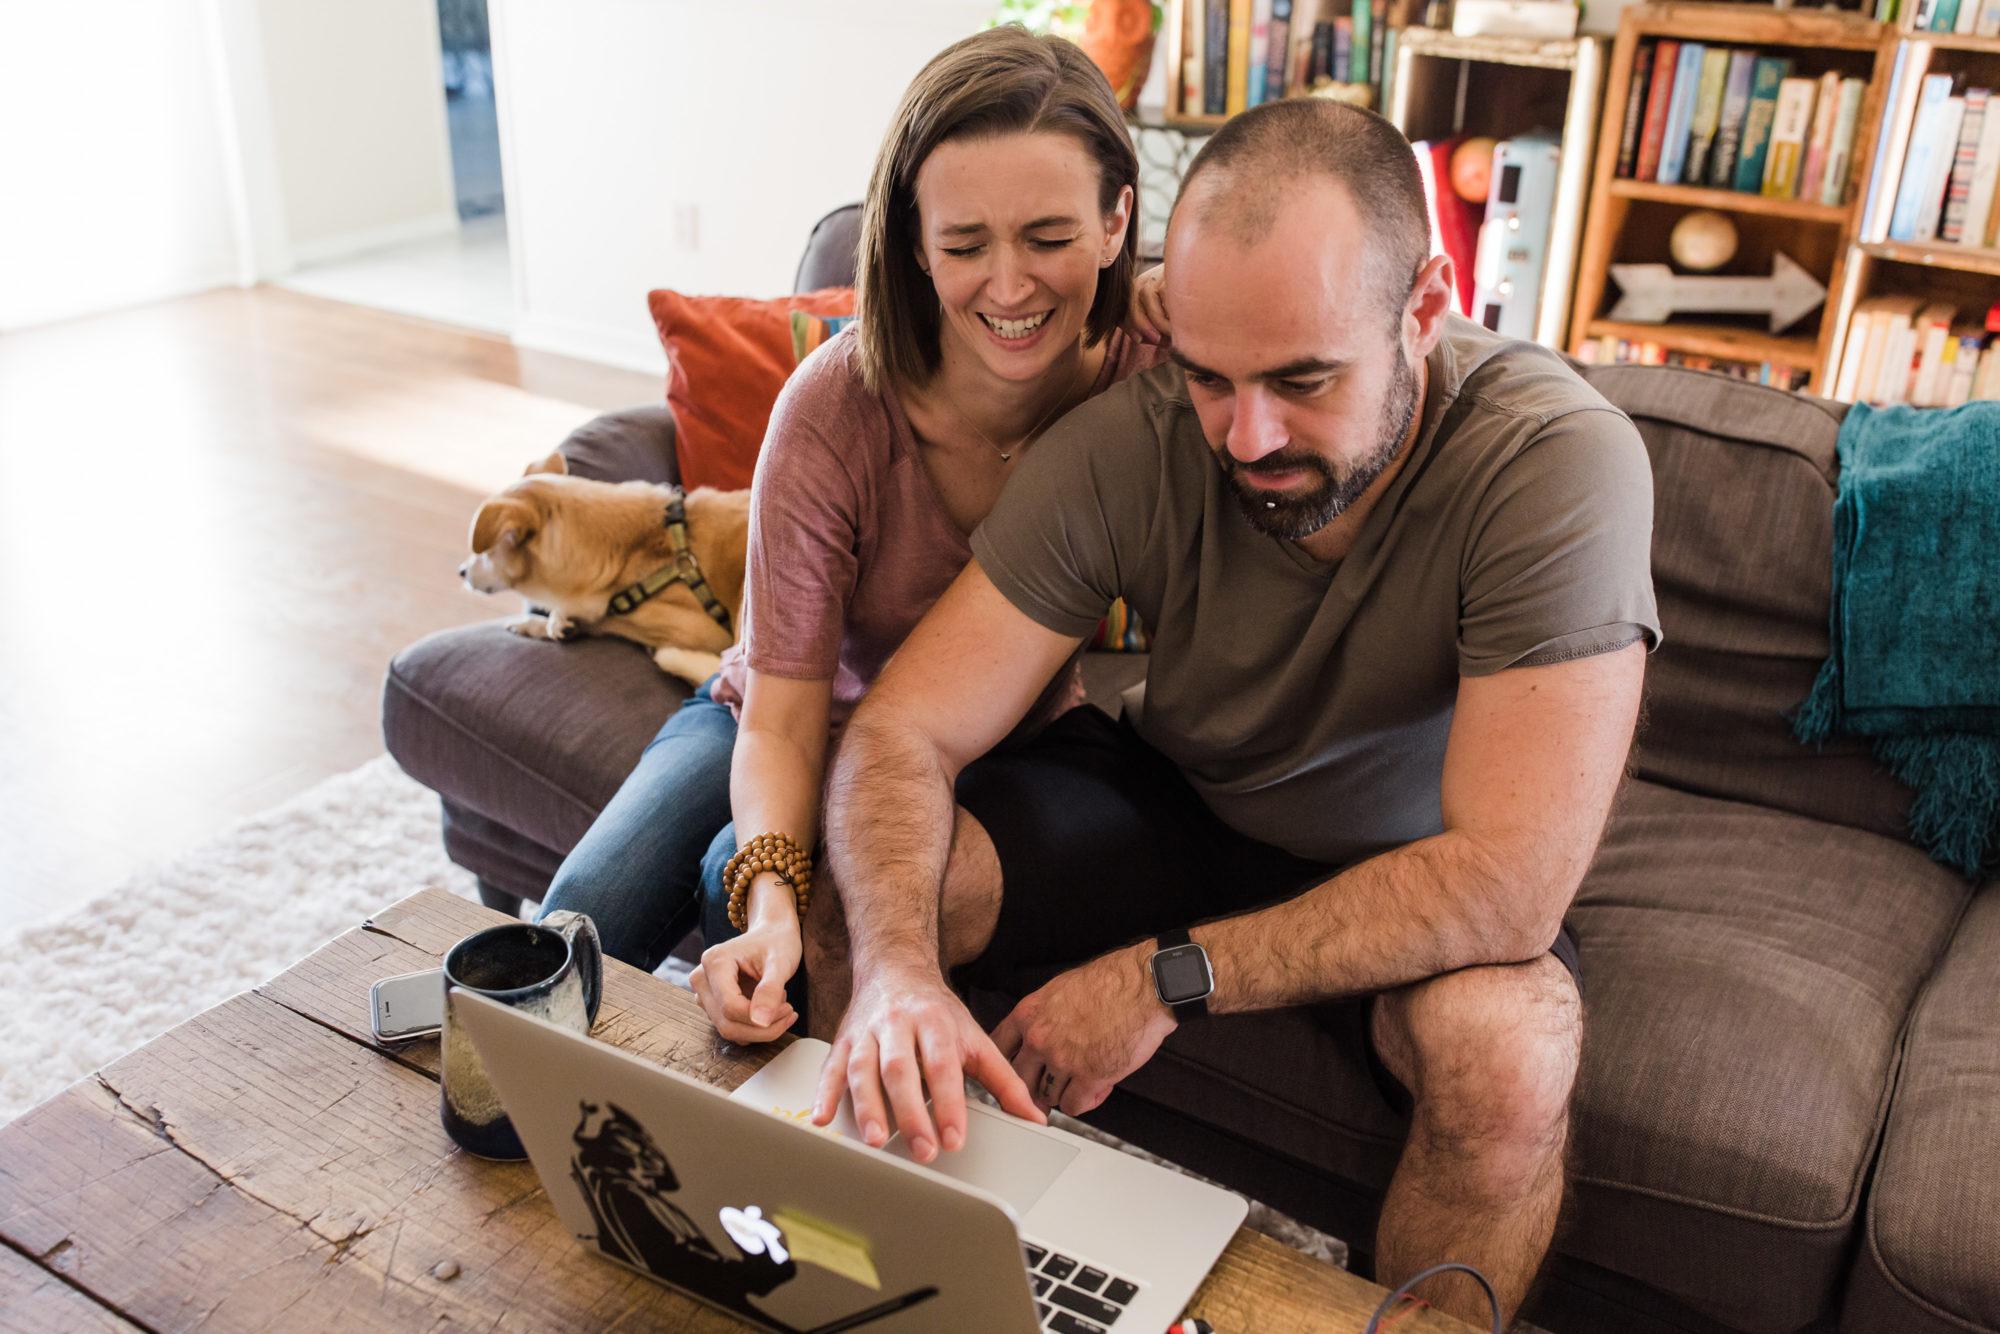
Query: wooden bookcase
(1629, 221)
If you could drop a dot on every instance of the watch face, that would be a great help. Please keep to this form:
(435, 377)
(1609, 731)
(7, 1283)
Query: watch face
(1181, 974)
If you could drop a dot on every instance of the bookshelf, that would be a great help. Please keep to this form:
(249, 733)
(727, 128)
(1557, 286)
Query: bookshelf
(1630, 220)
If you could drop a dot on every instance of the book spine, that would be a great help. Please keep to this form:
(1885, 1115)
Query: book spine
(1978, 227)
(1958, 187)
(1635, 108)
(1680, 112)
(1788, 138)
(1260, 50)
(1387, 77)
(1968, 17)
(1378, 38)
(1215, 60)
(1658, 102)
(1343, 49)
(1707, 114)
(1944, 18)
(1930, 204)
(1764, 85)
(1826, 106)
(1364, 43)
(1276, 67)
(1239, 57)
(1840, 147)
(1988, 22)
(1729, 130)
(1194, 59)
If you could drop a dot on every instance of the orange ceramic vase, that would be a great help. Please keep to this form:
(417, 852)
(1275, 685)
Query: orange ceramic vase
(1118, 36)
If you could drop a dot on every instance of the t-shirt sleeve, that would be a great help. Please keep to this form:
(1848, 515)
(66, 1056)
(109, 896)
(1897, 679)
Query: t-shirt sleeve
(805, 503)
(1559, 563)
(1078, 514)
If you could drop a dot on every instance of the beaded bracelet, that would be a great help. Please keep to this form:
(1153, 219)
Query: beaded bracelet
(766, 852)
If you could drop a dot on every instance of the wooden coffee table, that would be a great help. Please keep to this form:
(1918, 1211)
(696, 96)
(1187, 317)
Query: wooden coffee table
(266, 1166)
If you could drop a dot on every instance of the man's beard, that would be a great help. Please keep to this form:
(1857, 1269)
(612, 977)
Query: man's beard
(1296, 515)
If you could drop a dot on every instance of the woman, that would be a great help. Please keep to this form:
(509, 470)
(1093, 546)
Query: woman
(996, 263)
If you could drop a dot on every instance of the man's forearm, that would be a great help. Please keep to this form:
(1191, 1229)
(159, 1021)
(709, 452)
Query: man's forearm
(888, 839)
(1426, 908)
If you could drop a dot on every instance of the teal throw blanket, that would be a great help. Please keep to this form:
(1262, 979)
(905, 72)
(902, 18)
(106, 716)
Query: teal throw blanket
(1915, 625)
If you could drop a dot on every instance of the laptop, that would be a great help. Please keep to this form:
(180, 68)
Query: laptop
(740, 1201)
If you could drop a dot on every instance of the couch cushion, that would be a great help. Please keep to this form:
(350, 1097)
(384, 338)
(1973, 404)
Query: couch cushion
(531, 735)
(1931, 1259)
(832, 251)
(1747, 976)
(1743, 485)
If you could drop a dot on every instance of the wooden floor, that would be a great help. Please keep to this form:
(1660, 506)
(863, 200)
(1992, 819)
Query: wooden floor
(220, 516)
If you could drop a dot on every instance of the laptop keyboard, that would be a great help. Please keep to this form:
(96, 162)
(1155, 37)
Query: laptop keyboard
(1072, 1297)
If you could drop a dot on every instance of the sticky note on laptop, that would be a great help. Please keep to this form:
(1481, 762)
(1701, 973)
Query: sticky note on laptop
(835, 1249)
(788, 1084)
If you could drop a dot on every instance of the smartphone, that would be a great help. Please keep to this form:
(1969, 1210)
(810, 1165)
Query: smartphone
(406, 1007)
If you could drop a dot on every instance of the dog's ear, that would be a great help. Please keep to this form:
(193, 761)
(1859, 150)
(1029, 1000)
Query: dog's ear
(503, 521)
(555, 463)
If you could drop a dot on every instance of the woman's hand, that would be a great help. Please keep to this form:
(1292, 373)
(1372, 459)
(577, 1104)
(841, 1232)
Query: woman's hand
(741, 981)
(1147, 320)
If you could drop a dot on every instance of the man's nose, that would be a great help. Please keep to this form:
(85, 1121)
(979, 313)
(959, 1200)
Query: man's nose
(1254, 428)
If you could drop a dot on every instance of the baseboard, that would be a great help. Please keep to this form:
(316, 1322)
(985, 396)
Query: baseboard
(348, 244)
(168, 289)
(591, 342)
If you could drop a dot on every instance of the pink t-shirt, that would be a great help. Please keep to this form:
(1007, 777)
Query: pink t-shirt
(850, 543)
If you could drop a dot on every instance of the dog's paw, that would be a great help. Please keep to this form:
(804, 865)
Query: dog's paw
(690, 665)
(562, 629)
(532, 627)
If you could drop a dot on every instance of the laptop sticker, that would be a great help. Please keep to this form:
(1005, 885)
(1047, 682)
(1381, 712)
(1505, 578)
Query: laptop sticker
(832, 1248)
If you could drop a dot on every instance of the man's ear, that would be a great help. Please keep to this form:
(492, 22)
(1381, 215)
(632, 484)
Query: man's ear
(1430, 301)
(506, 521)
(555, 463)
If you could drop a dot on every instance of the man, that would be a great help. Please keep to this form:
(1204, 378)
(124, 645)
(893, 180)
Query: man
(1397, 572)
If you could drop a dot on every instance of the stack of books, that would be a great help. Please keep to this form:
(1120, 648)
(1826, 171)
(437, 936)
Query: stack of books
(1946, 187)
(1237, 54)
(1609, 351)
(1978, 18)
(1729, 118)
(1901, 349)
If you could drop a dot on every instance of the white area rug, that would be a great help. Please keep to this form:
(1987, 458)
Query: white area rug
(169, 943)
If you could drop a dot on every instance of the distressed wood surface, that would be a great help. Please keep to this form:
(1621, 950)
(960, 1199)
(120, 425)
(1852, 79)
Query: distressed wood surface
(264, 1165)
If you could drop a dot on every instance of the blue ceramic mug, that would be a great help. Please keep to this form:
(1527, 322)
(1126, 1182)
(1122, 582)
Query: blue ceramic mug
(554, 970)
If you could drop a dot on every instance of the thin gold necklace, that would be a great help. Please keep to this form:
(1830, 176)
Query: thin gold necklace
(1007, 455)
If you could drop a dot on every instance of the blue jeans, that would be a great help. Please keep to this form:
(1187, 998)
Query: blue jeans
(656, 852)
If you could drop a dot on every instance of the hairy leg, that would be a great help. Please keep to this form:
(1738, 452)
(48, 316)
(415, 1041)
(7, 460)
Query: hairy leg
(967, 913)
(1490, 1057)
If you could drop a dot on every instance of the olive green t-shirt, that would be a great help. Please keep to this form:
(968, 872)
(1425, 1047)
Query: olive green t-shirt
(1309, 703)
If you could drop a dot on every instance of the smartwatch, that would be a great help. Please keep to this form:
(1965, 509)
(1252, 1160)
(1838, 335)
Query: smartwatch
(1181, 975)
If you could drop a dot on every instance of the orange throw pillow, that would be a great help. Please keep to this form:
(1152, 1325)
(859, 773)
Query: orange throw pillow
(727, 358)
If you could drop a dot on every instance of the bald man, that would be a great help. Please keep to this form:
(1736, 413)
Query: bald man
(1397, 574)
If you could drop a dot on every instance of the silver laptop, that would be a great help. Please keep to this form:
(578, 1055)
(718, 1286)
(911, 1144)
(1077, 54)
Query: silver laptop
(738, 1200)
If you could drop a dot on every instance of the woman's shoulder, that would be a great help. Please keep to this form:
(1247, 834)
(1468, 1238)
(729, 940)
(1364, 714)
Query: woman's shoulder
(827, 405)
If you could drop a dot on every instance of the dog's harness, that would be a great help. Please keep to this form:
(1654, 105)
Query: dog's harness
(684, 570)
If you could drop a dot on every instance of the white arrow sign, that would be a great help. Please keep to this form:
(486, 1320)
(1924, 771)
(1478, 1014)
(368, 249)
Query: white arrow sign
(1650, 293)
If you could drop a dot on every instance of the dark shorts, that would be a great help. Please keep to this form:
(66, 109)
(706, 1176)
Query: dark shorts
(1102, 842)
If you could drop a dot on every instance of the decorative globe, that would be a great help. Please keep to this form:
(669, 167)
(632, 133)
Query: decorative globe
(1472, 169)
(1703, 241)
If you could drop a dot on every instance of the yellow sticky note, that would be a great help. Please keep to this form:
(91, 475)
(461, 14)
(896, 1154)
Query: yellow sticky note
(831, 1248)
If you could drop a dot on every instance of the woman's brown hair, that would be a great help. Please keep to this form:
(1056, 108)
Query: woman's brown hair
(1000, 81)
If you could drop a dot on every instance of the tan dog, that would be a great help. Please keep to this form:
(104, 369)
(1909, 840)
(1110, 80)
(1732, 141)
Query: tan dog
(571, 545)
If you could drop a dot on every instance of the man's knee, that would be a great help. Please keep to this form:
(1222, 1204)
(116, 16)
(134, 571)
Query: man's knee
(1489, 1054)
(969, 907)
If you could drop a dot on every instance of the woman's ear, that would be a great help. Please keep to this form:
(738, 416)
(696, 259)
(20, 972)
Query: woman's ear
(1116, 222)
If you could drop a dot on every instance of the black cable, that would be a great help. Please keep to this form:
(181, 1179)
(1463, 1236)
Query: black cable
(1375, 1321)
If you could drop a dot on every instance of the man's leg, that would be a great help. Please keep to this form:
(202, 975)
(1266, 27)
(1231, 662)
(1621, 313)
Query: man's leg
(1490, 1057)
(966, 915)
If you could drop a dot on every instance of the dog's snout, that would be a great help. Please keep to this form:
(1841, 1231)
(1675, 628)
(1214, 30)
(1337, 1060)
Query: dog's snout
(463, 568)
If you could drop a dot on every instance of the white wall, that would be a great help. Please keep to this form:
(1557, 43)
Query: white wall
(619, 117)
(114, 184)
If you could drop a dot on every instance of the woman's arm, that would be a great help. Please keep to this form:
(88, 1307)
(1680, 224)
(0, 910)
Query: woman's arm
(774, 788)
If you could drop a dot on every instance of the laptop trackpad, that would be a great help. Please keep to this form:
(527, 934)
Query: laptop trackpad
(1001, 1155)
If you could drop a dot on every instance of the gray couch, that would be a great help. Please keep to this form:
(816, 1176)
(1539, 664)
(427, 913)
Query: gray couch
(1789, 1111)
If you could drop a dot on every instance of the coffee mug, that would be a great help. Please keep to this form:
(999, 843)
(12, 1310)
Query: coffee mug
(553, 970)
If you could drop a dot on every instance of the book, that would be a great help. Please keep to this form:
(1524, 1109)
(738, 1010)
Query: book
(1729, 130)
(1387, 79)
(1786, 154)
(1260, 50)
(1769, 74)
(1898, 111)
(1958, 183)
(1819, 140)
(1305, 31)
(1849, 374)
(1343, 49)
(1965, 351)
(1932, 329)
(1707, 114)
(1680, 112)
(1968, 17)
(1988, 22)
(1322, 54)
(1239, 57)
(1635, 108)
(1892, 377)
(1278, 48)
(1840, 149)
(1932, 106)
(1978, 226)
(1665, 56)
(1944, 16)
(1215, 59)
(1194, 29)
(1930, 205)
(1378, 40)
(1364, 44)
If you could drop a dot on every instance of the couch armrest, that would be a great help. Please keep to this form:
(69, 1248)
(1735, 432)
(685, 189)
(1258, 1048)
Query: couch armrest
(630, 445)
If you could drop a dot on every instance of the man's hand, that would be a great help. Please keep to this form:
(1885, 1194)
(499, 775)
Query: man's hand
(904, 1029)
(1086, 1029)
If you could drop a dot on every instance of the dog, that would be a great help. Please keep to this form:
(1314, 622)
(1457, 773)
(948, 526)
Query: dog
(584, 550)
